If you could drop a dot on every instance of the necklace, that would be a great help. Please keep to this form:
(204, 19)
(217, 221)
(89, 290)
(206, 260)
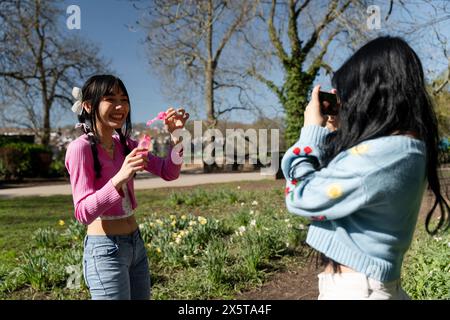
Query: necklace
(109, 149)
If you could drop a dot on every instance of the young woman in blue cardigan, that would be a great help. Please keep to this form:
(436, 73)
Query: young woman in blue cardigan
(362, 184)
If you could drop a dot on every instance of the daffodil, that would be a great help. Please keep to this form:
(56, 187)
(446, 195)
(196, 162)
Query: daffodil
(61, 222)
(202, 220)
(158, 221)
(173, 223)
(255, 203)
(158, 250)
(183, 217)
(172, 217)
(192, 223)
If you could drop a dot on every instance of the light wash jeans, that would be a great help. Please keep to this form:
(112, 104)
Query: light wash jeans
(116, 267)
(357, 286)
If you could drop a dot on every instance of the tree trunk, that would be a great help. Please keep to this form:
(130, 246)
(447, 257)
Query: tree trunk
(297, 87)
(209, 87)
(209, 94)
(46, 130)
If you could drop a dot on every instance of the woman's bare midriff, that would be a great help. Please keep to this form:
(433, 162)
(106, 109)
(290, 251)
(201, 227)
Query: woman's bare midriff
(123, 226)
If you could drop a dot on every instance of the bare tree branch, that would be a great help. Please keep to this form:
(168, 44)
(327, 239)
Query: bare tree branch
(270, 84)
(318, 60)
(220, 112)
(329, 17)
(274, 38)
(188, 44)
(39, 65)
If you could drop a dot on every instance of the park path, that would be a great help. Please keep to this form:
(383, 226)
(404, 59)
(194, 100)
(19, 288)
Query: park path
(143, 181)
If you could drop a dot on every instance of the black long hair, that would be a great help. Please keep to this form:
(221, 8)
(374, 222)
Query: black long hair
(95, 88)
(381, 89)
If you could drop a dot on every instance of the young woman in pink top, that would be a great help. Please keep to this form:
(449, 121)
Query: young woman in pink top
(102, 167)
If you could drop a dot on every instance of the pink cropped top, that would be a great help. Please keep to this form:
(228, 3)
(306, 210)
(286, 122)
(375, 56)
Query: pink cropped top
(97, 197)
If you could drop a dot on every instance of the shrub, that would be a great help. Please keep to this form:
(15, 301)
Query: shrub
(214, 260)
(20, 160)
(179, 241)
(46, 237)
(35, 270)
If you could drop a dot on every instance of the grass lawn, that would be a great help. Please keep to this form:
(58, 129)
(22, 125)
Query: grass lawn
(210, 241)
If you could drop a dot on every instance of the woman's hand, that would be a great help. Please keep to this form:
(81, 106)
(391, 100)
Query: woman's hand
(312, 114)
(133, 163)
(175, 119)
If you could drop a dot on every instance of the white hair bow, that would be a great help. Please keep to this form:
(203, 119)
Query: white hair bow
(77, 107)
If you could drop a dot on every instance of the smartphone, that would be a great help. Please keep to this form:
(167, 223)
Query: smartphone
(332, 109)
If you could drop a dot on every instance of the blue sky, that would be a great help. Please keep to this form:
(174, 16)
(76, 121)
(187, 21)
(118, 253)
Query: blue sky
(104, 22)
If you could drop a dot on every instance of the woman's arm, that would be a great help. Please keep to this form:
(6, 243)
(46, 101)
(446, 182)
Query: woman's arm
(88, 202)
(330, 193)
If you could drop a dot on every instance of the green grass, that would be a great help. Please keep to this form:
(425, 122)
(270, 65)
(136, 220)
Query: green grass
(194, 251)
(426, 271)
(197, 245)
(20, 217)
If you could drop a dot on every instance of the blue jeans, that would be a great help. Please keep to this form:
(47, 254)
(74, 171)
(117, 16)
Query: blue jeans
(116, 267)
